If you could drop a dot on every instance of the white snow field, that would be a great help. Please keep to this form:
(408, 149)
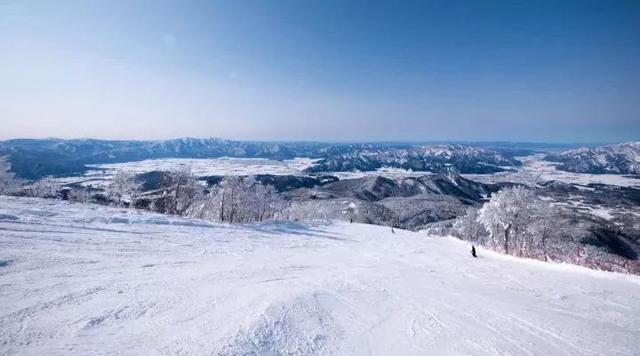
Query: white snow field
(213, 166)
(227, 166)
(90, 280)
(535, 169)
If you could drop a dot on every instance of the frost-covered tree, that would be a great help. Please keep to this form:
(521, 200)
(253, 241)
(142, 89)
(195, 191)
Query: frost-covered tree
(521, 222)
(507, 215)
(123, 188)
(182, 190)
(218, 203)
(230, 192)
(546, 223)
(238, 200)
(79, 195)
(246, 200)
(9, 183)
(266, 203)
(45, 187)
(468, 228)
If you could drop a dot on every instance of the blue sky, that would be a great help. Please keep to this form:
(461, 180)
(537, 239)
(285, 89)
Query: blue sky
(322, 70)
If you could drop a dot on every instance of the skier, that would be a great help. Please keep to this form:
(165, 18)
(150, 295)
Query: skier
(473, 251)
(393, 231)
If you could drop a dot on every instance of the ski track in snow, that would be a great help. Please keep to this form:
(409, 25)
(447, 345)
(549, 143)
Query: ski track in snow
(85, 279)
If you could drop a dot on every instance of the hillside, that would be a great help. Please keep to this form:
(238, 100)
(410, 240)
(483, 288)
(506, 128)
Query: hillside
(86, 279)
(623, 158)
(374, 188)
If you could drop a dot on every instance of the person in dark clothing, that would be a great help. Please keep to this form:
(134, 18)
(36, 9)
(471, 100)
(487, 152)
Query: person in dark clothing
(473, 251)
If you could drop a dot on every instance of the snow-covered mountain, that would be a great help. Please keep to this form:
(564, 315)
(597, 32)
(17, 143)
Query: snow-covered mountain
(434, 158)
(410, 202)
(33, 159)
(623, 158)
(374, 188)
(85, 279)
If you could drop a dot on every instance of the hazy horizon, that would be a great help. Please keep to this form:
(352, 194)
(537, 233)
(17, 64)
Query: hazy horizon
(332, 71)
(410, 142)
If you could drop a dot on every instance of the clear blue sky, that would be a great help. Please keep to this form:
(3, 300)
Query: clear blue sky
(322, 70)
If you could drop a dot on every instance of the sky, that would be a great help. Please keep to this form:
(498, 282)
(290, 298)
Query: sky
(537, 71)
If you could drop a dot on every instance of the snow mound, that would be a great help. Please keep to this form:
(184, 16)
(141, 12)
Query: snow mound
(301, 326)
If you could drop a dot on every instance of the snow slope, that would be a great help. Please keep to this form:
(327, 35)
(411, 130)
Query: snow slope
(85, 279)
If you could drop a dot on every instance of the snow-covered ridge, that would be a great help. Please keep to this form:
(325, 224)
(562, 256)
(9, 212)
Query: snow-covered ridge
(430, 158)
(86, 279)
(34, 159)
(622, 158)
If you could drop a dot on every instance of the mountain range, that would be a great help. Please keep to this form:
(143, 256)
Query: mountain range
(35, 158)
(622, 158)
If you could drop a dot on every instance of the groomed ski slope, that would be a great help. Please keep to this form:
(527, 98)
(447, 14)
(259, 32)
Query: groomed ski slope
(90, 280)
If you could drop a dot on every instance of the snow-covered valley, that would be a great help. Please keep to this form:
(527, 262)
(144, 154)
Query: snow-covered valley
(101, 174)
(535, 169)
(88, 279)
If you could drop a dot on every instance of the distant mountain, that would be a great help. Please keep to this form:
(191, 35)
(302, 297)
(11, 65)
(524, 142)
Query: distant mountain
(31, 158)
(434, 158)
(34, 158)
(376, 188)
(622, 158)
(411, 202)
(370, 188)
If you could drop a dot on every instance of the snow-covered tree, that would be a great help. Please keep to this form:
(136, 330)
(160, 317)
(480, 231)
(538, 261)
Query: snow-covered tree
(123, 188)
(230, 191)
(507, 215)
(80, 195)
(265, 204)
(182, 191)
(9, 184)
(547, 222)
(237, 200)
(468, 228)
(45, 187)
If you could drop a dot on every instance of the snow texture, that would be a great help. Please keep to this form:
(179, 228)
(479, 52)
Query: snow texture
(86, 279)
